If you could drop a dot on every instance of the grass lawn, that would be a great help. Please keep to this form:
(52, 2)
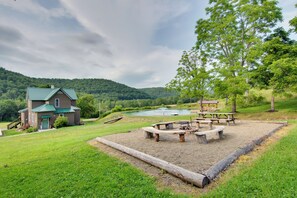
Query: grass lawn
(60, 163)
(3, 125)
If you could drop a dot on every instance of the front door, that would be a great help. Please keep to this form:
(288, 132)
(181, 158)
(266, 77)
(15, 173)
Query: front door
(45, 123)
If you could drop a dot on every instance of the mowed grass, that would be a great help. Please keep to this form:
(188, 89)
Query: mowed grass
(60, 163)
(271, 175)
(3, 125)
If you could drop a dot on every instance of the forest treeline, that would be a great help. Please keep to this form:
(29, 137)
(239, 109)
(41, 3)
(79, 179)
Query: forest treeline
(108, 93)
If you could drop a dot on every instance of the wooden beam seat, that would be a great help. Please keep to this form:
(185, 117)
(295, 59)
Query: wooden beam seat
(209, 122)
(151, 131)
(201, 136)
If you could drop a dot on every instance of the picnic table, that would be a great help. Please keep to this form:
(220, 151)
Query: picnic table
(214, 116)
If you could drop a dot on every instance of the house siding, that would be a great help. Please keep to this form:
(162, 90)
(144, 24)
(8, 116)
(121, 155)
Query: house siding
(65, 102)
(38, 119)
(24, 117)
(77, 117)
(70, 117)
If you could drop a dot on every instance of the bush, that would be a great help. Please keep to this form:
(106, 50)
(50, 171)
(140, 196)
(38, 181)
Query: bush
(117, 108)
(32, 129)
(251, 100)
(61, 121)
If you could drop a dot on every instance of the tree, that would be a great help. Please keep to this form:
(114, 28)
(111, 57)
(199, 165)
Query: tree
(87, 105)
(192, 78)
(231, 36)
(278, 69)
(293, 22)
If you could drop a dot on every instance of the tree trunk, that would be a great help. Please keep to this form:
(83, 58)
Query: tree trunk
(234, 104)
(201, 104)
(226, 103)
(272, 109)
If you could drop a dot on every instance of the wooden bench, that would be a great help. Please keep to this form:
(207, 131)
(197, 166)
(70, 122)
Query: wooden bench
(209, 122)
(149, 132)
(201, 136)
(168, 125)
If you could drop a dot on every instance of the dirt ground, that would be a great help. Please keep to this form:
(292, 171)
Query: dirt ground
(189, 154)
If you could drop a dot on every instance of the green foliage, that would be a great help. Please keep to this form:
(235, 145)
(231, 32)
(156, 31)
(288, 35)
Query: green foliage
(31, 129)
(86, 103)
(278, 70)
(250, 100)
(9, 109)
(61, 121)
(159, 92)
(13, 86)
(231, 37)
(117, 108)
(192, 78)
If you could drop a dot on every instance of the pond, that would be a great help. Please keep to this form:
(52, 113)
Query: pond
(161, 112)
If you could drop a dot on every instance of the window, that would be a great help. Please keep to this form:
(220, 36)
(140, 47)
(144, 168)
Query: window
(57, 102)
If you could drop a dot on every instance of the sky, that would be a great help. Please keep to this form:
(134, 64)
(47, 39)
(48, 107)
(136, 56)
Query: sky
(134, 42)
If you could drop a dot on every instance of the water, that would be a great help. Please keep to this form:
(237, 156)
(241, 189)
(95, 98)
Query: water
(161, 112)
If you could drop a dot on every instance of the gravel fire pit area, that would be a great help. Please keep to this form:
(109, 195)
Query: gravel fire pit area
(193, 156)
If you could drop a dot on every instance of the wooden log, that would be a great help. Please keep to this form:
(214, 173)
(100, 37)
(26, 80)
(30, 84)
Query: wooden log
(182, 137)
(157, 137)
(202, 139)
(148, 135)
(213, 171)
(186, 175)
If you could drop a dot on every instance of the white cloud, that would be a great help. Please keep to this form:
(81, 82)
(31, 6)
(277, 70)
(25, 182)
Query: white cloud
(112, 39)
(28, 6)
(129, 27)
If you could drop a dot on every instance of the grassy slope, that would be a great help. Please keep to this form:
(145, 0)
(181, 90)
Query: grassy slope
(60, 163)
(271, 175)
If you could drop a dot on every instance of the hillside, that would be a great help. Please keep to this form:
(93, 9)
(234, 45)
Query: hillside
(13, 85)
(159, 92)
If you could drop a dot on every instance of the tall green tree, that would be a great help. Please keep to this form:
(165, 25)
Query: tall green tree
(278, 70)
(231, 37)
(86, 103)
(192, 78)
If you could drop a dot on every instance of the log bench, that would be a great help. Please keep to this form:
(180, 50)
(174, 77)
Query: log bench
(149, 132)
(201, 136)
(209, 122)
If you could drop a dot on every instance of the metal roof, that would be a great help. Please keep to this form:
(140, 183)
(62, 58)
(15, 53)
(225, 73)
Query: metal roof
(51, 108)
(67, 110)
(45, 94)
(44, 108)
(23, 110)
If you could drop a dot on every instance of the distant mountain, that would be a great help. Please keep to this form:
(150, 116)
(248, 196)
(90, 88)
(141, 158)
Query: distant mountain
(159, 92)
(13, 86)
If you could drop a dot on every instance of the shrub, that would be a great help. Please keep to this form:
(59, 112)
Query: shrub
(117, 108)
(32, 129)
(251, 100)
(61, 121)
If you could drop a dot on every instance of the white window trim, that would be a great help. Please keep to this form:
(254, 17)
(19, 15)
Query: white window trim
(57, 99)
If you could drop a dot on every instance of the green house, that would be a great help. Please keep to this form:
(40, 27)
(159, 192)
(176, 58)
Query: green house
(44, 105)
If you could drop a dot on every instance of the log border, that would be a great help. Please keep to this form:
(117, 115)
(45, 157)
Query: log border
(196, 179)
(217, 168)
